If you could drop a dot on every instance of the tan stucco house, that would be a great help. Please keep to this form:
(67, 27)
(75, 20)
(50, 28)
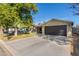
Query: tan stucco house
(56, 27)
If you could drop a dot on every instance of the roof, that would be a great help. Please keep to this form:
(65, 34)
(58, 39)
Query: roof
(66, 21)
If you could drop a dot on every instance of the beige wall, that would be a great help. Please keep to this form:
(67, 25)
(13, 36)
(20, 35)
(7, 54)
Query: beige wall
(43, 30)
(69, 30)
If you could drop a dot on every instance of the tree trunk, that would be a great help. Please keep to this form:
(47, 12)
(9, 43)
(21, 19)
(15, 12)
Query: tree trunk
(16, 32)
(1, 32)
(29, 30)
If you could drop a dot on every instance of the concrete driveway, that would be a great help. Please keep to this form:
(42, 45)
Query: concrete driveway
(2, 53)
(37, 46)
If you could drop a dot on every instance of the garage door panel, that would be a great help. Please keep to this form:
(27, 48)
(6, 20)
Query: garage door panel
(56, 30)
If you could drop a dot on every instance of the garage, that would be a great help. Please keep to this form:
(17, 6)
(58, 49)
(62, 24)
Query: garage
(56, 27)
(56, 30)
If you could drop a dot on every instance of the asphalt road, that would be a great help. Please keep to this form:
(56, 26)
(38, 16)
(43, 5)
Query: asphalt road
(38, 46)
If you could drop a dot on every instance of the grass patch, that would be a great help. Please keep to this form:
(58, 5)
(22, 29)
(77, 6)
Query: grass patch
(20, 36)
(1, 37)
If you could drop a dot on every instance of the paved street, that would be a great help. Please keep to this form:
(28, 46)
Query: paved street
(38, 47)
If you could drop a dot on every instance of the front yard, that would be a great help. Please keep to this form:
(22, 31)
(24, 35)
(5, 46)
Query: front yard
(19, 36)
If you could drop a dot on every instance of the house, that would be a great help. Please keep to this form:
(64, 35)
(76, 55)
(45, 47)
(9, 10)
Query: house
(56, 27)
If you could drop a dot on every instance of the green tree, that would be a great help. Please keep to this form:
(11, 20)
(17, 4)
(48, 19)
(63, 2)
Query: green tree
(4, 17)
(17, 15)
(24, 13)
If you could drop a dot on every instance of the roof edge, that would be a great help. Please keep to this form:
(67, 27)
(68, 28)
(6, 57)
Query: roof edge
(59, 20)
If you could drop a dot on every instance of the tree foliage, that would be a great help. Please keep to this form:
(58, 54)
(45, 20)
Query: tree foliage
(11, 15)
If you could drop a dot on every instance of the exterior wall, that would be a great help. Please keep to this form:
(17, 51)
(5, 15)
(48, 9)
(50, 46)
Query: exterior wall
(43, 30)
(69, 30)
(69, 37)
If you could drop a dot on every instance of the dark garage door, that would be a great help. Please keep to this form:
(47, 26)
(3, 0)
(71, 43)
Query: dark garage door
(56, 30)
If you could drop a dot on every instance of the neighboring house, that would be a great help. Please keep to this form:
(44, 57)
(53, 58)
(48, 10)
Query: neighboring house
(56, 27)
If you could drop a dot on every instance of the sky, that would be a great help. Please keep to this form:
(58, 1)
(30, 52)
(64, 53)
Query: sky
(48, 11)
